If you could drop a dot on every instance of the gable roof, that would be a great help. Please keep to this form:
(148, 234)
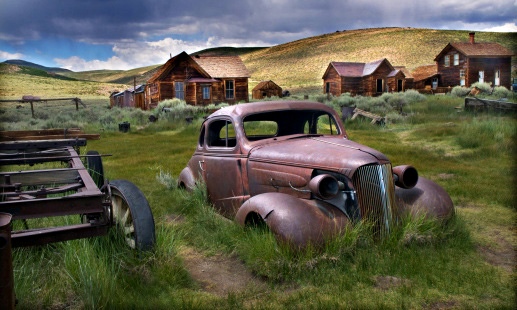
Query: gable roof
(424, 72)
(211, 67)
(405, 71)
(266, 85)
(357, 69)
(222, 66)
(477, 50)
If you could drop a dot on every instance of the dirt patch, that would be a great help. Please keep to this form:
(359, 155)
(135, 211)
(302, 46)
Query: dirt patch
(450, 304)
(385, 283)
(503, 256)
(220, 274)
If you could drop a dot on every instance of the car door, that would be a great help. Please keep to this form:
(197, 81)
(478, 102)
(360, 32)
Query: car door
(222, 166)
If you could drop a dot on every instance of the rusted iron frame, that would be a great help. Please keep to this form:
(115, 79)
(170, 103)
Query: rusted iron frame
(86, 198)
(57, 234)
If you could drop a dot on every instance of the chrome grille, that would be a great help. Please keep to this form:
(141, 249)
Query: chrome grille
(376, 195)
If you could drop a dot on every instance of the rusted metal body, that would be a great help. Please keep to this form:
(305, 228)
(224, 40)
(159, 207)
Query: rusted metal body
(291, 165)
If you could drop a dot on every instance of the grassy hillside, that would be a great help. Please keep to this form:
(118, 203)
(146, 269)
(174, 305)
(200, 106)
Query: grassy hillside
(302, 63)
(18, 81)
(299, 65)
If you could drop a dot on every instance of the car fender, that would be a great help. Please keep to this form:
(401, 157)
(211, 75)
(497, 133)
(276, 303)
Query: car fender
(295, 221)
(186, 179)
(426, 198)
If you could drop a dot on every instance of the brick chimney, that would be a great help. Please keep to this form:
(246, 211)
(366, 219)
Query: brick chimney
(471, 35)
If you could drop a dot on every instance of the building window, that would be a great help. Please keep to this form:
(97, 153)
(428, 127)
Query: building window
(462, 77)
(206, 91)
(447, 61)
(179, 90)
(456, 59)
(229, 89)
(497, 78)
(481, 77)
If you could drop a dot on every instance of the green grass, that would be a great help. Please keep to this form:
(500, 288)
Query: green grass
(421, 265)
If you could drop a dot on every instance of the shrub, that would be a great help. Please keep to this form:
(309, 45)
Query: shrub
(501, 92)
(413, 96)
(345, 100)
(484, 87)
(460, 91)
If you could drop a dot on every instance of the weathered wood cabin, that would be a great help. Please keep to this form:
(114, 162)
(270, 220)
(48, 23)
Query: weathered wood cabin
(366, 79)
(426, 77)
(470, 62)
(266, 89)
(132, 97)
(199, 80)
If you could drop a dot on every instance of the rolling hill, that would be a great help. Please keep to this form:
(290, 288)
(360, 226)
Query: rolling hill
(300, 64)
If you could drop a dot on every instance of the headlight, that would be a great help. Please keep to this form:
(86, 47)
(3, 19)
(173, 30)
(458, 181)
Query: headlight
(324, 186)
(405, 176)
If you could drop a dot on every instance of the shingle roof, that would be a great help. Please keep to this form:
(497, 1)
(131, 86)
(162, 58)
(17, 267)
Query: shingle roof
(209, 66)
(266, 85)
(482, 49)
(357, 69)
(424, 72)
(477, 50)
(222, 66)
(404, 70)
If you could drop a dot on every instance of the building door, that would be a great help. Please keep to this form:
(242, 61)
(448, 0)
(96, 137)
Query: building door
(400, 85)
(435, 83)
(497, 78)
(380, 84)
(327, 87)
(481, 77)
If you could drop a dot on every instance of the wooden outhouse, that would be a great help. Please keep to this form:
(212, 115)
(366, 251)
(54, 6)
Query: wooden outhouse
(367, 79)
(199, 80)
(129, 98)
(469, 62)
(266, 89)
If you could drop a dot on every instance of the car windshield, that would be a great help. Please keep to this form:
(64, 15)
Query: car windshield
(289, 122)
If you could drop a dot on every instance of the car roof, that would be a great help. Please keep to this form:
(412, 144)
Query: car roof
(243, 109)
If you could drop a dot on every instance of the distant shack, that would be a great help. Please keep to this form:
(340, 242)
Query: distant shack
(266, 89)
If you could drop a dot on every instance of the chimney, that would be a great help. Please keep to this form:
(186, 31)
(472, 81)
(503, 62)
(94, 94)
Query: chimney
(471, 35)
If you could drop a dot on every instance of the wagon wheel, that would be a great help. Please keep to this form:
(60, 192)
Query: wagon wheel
(95, 168)
(132, 214)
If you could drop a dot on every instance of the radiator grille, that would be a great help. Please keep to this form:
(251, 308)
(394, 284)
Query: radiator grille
(376, 195)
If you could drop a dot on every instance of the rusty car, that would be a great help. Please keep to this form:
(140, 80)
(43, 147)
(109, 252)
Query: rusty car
(291, 166)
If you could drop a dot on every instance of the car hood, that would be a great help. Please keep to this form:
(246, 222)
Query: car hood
(334, 153)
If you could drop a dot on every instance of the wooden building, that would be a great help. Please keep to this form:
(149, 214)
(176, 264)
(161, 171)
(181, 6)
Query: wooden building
(266, 89)
(469, 62)
(366, 79)
(426, 77)
(199, 80)
(132, 97)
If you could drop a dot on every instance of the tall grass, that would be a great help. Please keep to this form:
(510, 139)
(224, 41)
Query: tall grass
(420, 265)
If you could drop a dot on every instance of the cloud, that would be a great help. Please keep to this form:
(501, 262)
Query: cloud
(6, 55)
(133, 54)
(507, 27)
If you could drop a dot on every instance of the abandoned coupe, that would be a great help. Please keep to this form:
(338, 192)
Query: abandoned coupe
(290, 165)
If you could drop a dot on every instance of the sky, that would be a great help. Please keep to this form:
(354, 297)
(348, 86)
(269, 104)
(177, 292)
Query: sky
(83, 35)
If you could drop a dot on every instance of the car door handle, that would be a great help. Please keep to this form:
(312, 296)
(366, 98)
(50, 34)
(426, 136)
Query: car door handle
(201, 162)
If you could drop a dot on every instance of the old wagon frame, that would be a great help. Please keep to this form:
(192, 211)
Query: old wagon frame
(74, 188)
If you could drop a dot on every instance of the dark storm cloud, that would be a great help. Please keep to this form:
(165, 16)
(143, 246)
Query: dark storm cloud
(99, 21)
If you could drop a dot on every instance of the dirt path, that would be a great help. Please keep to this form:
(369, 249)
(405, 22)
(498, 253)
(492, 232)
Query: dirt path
(220, 274)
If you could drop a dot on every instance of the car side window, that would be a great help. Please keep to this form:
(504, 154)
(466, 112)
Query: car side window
(221, 133)
(323, 124)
